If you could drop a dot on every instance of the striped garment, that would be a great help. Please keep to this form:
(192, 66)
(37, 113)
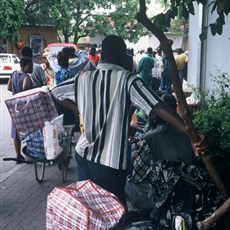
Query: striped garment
(104, 99)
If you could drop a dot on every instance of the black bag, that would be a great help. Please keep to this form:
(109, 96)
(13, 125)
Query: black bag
(178, 190)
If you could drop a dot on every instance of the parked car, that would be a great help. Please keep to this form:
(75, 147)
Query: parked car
(8, 64)
(58, 46)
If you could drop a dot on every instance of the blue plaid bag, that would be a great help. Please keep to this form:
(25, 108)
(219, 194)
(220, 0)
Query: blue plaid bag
(35, 145)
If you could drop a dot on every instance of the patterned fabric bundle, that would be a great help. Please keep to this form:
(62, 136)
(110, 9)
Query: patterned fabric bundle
(30, 109)
(82, 205)
(35, 145)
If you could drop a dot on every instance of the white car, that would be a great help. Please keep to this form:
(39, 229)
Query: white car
(8, 64)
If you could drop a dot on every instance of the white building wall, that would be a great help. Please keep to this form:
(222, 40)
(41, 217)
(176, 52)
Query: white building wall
(218, 51)
(213, 53)
(195, 27)
(151, 41)
(143, 43)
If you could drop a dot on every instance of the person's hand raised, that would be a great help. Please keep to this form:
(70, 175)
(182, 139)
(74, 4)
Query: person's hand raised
(201, 147)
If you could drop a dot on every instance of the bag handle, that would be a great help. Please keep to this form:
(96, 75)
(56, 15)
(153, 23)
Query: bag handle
(16, 107)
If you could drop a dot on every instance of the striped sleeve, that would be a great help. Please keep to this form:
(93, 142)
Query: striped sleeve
(142, 97)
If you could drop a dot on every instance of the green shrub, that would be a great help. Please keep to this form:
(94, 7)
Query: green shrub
(213, 120)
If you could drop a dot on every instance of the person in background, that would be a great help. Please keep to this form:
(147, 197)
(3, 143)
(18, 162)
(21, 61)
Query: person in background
(18, 82)
(93, 56)
(38, 76)
(77, 59)
(157, 69)
(49, 73)
(131, 64)
(180, 59)
(185, 70)
(166, 82)
(104, 98)
(63, 72)
(145, 66)
(178, 147)
(144, 69)
(139, 55)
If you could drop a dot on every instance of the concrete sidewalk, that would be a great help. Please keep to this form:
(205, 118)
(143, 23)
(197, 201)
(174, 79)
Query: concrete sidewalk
(23, 199)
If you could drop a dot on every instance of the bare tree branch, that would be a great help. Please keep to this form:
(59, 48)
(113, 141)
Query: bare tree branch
(205, 224)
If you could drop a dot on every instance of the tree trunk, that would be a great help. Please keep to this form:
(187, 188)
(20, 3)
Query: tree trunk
(166, 46)
(76, 38)
(66, 38)
(11, 46)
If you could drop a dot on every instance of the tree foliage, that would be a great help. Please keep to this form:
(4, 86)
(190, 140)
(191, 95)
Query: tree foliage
(183, 8)
(79, 18)
(213, 120)
(11, 16)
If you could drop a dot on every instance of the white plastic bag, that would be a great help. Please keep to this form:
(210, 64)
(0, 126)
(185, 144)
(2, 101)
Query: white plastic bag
(179, 223)
(51, 133)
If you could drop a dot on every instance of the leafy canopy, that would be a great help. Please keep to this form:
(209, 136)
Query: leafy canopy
(183, 8)
(80, 18)
(11, 17)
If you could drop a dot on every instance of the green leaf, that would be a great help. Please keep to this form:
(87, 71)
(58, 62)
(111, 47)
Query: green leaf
(213, 28)
(215, 3)
(183, 12)
(219, 28)
(191, 8)
(203, 35)
(227, 7)
(173, 12)
(219, 24)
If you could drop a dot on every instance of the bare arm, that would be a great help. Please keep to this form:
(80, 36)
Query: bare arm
(26, 83)
(9, 85)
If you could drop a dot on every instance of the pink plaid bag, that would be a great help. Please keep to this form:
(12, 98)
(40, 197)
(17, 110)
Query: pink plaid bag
(30, 109)
(82, 205)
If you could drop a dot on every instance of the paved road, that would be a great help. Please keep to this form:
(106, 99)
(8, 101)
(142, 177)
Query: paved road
(6, 143)
(22, 199)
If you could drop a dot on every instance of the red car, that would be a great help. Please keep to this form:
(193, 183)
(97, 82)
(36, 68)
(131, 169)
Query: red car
(58, 46)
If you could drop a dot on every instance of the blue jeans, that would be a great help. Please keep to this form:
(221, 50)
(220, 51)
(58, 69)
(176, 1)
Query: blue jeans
(112, 180)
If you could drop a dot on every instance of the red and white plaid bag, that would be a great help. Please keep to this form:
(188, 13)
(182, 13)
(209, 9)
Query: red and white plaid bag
(82, 205)
(30, 109)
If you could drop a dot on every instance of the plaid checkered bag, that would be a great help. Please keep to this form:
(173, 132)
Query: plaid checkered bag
(82, 205)
(30, 109)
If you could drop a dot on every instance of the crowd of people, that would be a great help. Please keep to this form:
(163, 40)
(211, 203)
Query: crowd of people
(107, 93)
